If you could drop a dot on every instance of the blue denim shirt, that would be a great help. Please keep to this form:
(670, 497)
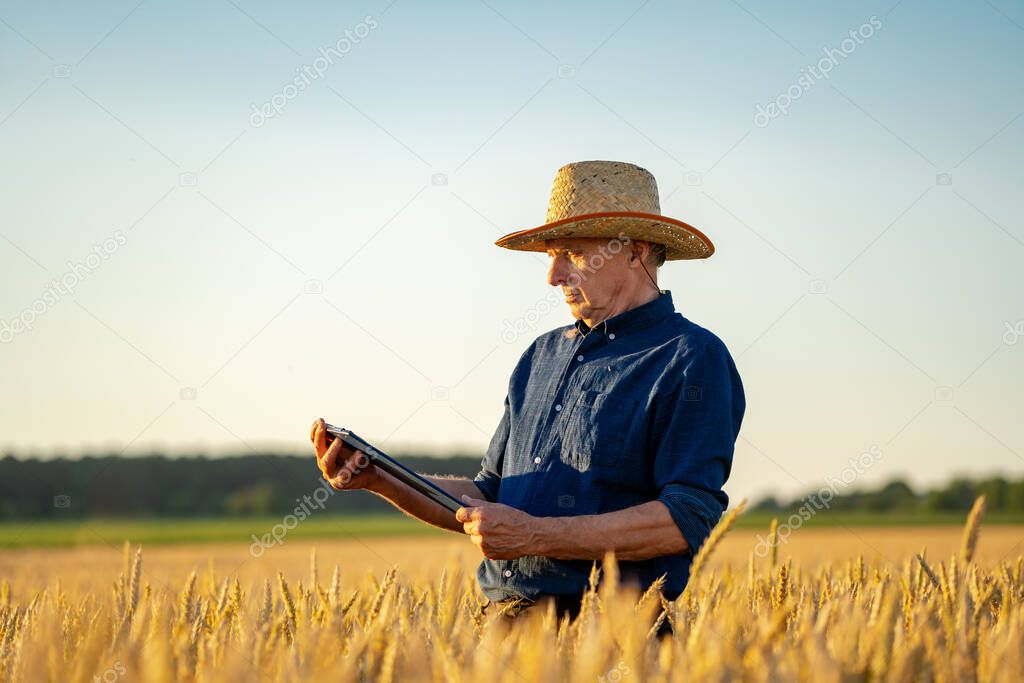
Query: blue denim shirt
(645, 406)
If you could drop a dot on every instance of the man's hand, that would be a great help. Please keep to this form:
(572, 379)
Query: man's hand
(501, 532)
(342, 467)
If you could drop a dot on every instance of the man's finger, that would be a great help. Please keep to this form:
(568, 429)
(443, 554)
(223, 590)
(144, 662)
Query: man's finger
(329, 463)
(320, 439)
(469, 514)
(470, 509)
(356, 460)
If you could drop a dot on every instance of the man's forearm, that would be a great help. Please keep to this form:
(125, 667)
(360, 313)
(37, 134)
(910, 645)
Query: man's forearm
(637, 533)
(417, 505)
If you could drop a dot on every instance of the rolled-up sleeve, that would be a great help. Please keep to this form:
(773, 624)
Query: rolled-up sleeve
(488, 479)
(693, 435)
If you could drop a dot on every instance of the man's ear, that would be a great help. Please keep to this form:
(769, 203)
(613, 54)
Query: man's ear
(640, 251)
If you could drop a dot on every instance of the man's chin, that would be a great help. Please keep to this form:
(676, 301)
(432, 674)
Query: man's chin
(578, 310)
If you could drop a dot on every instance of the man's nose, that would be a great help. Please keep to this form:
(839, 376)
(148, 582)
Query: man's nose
(556, 273)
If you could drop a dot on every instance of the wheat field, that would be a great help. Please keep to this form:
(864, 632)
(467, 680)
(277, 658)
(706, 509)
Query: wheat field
(958, 617)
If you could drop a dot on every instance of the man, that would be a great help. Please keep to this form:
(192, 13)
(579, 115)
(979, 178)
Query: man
(618, 430)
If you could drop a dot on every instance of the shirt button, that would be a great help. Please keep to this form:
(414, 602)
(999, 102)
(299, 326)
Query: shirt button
(558, 407)
(611, 336)
(508, 573)
(580, 357)
(536, 461)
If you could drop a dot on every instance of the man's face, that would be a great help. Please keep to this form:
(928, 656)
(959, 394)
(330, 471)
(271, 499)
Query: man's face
(591, 271)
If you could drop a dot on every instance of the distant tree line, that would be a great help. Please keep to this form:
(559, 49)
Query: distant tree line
(190, 486)
(158, 485)
(897, 497)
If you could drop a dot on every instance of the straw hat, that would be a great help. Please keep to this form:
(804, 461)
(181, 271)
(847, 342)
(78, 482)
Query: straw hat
(608, 199)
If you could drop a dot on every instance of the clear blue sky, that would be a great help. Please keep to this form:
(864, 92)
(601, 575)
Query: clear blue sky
(869, 240)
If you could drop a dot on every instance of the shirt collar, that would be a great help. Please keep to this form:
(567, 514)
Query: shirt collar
(638, 318)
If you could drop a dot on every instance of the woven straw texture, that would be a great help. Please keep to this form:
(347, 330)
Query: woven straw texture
(586, 192)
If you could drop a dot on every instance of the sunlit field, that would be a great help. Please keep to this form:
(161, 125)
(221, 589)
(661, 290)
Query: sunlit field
(828, 604)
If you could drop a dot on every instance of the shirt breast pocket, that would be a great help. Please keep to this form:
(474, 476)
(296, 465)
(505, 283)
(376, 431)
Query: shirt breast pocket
(599, 430)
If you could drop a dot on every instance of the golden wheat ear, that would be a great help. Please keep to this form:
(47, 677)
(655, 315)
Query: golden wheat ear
(714, 538)
(972, 529)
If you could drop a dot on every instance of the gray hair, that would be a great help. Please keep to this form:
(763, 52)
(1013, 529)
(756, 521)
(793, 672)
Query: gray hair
(658, 254)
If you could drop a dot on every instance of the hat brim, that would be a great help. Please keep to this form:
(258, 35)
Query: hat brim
(681, 240)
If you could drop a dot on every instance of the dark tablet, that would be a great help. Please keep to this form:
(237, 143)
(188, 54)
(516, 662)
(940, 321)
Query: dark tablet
(396, 469)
